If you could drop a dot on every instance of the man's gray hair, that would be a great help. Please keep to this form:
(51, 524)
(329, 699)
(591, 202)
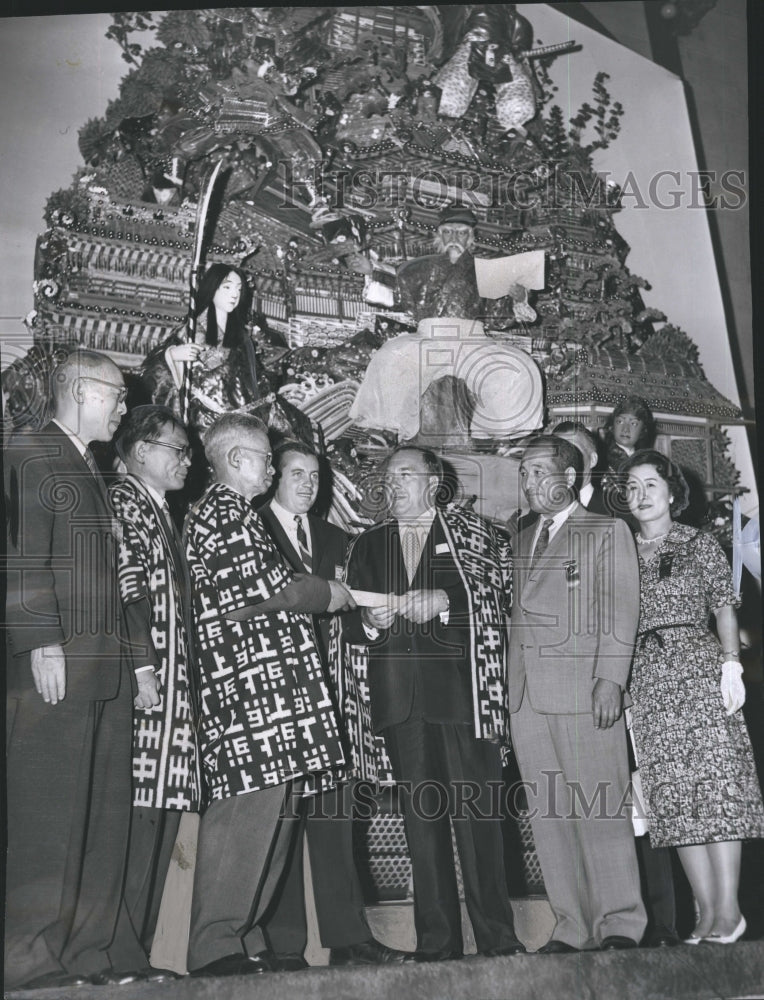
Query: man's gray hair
(226, 432)
(81, 363)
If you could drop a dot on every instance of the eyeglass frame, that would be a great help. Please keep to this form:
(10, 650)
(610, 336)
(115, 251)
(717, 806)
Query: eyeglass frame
(121, 390)
(268, 454)
(185, 452)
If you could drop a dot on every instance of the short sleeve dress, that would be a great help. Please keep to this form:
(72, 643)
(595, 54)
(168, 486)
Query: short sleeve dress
(696, 762)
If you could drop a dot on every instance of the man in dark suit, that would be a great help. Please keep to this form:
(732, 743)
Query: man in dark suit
(311, 545)
(574, 621)
(437, 678)
(69, 690)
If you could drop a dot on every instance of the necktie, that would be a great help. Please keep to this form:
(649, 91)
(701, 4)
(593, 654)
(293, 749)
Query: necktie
(91, 462)
(542, 541)
(411, 551)
(96, 473)
(302, 541)
(168, 518)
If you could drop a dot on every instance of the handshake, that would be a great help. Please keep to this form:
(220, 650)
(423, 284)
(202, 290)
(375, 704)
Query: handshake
(418, 606)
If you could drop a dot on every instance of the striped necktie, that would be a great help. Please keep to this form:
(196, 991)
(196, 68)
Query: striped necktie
(91, 462)
(302, 541)
(542, 541)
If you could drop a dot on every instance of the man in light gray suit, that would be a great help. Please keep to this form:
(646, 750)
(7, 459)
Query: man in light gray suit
(574, 622)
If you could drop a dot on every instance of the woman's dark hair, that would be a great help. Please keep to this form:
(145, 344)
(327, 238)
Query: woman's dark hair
(669, 472)
(144, 423)
(641, 410)
(236, 327)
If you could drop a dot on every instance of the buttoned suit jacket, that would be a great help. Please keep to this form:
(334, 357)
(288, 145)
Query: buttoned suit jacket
(575, 614)
(62, 567)
(413, 668)
(68, 766)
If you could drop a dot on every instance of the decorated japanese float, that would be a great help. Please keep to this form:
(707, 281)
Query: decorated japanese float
(344, 131)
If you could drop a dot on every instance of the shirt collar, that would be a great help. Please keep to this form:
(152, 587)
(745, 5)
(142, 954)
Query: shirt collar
(557, 519)
(585, 494)
(421, 523)
(286, 517)
(157, 497)
(78, 443)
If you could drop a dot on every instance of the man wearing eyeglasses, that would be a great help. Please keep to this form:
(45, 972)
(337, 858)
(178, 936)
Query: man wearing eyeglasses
(69, 690)
(267, 718)
(156, 593)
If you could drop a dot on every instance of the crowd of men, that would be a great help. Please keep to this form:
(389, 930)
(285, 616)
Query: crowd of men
(153, 673)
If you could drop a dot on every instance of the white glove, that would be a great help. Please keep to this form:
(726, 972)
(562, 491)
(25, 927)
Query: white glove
(732, 687)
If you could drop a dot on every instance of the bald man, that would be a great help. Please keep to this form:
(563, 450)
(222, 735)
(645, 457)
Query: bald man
(69, 690)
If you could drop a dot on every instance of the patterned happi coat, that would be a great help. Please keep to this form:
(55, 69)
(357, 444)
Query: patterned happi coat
(266, 712)
(166, 765)
(483, 558)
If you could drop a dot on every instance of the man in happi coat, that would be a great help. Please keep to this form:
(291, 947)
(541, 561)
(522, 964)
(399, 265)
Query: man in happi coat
(154, 585)
(434, 627)
(266, 717)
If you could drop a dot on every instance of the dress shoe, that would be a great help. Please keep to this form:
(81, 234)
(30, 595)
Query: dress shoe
(435, 956)
(617, 942)
(738, 932)
(55, 980)
(693, 939)
(111, 977)
(665, 940)
(152, 975)
(367, 953)
(509, 949)
(290, 963)
(238, 964)
(556, 948)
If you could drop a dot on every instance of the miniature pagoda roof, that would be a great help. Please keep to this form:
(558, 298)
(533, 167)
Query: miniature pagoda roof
(604, 375)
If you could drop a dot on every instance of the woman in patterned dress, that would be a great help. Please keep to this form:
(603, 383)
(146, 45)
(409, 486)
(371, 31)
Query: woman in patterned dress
(695, 759)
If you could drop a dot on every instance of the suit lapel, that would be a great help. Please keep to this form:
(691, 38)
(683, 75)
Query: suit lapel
(316, 541)
(279, 538)
(558, 546)
(70, 450)
(399, 578)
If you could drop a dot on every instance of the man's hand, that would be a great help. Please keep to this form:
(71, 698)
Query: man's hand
(341, 598)
(607, 702)
(49, 673)
(148, 689)
(381, 617)
(421, 606)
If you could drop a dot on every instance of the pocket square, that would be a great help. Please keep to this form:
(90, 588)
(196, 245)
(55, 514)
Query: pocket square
(441, 549)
